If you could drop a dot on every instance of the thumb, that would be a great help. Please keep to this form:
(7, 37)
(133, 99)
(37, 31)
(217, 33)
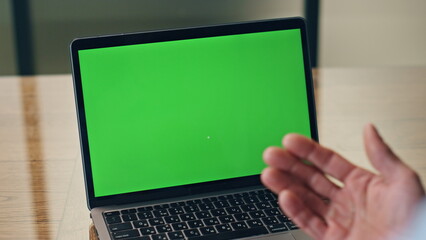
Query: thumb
(379, 153)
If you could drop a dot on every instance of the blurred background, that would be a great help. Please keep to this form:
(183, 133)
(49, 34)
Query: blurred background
(358, 33)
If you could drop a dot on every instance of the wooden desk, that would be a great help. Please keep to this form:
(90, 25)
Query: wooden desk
(41, 182)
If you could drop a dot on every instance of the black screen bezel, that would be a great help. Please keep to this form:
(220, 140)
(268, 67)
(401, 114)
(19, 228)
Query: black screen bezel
(171, 35)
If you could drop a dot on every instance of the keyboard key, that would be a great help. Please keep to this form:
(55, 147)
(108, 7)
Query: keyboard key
(272, 212)
(156, 221)
(179, 226)
(221, 204)
(238, 195)
(176, 211)
(235, 202)
(172, 219)
(291, 225)
(253, 193)
(280, 227)
(187, 217)
(274, 203)
(129, 217)
(120, 227)
(159, 237)
(224, 228)
(145, 215)
(140, 238)
(252, 199)
(208, 230)
(221, 198)
(145, 209)
(115, 213)
(191, 208)
(226, 219)
(192, 202)
(213, 199)
(161, 206)
(160, 213)
(267, 191)
(192, 233)
(163, 228)
(245, 194)
(126, 234)
(206, 206)
(140, 223)
(195, 224)
(257, 214)
(176, 235)
(128, 211)
(175, 204)
(260, 192)
(113, 219)
(266, 197)
(269, 220)
(255, 223)
(249, 208)
(233, 210)
(164, 206)
(211, 221)
(239, 225)
(282, 218)
(229, 196)
(218, 212)
(242, 216)
(263, 205)
(148, 231)
(201, 215)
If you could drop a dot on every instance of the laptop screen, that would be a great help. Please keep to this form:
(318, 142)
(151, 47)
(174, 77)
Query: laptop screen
(188, 111)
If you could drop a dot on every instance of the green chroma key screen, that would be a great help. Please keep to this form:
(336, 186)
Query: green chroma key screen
(189, 111)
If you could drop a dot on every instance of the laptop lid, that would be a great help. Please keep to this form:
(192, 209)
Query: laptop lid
(177, 112)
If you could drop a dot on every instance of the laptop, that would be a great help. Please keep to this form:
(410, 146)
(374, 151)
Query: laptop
(173, 124)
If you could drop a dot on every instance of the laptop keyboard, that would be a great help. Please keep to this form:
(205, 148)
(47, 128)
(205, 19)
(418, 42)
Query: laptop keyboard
(229, 216)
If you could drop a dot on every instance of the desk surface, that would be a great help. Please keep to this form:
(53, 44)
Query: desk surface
(41, 181)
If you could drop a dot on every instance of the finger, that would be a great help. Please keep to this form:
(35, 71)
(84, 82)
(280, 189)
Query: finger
(323, 158)
(379, 153)
(302, 215)
(278, 181)
(311, 176)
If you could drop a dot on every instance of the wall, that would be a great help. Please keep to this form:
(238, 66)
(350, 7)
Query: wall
(56, 23)
(372, 33)
(7, 51)
(352, 33)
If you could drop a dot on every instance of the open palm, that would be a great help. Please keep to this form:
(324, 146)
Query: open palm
(366, 206)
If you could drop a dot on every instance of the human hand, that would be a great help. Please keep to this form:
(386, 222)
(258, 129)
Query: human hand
(367, 206)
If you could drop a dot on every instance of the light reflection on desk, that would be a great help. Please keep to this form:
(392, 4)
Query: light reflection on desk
(39, 158)
(35, 158)
(41, 181)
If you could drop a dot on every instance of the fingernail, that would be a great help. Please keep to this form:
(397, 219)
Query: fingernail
(376, 131)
